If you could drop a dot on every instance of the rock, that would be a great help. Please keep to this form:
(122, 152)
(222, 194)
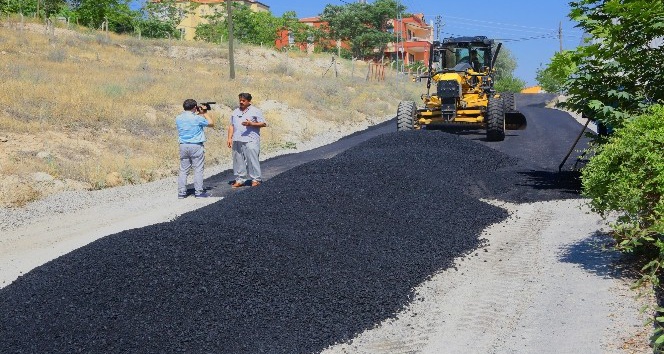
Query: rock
(42, 177)
(44, 154)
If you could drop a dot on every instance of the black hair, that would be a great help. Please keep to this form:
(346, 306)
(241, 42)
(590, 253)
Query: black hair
(245, 95)
(189, 104)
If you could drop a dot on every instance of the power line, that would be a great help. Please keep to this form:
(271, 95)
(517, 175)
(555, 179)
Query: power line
(451, 26)
(499, 28)
(451, 34)
(503, 27)
(496, 23)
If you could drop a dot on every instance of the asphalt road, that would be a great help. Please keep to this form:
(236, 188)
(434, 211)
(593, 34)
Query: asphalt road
(330, 245)
(542, 147)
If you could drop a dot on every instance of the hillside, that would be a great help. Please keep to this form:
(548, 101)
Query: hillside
(82, 110)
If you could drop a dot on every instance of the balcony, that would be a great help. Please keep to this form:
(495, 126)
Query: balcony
(417, 39)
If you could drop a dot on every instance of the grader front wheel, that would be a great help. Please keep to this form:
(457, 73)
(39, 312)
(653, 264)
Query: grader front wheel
(406, 113)
(495, 125)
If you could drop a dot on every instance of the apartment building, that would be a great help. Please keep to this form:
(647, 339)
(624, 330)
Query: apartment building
(415, 39)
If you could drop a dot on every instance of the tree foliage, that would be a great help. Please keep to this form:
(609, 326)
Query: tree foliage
(505, 66)
(259, 28)
(509, 84)
(47, 8)
(364, 26)
(621, 67)
(617, 82)
(505, 63)
(254, 27)
(92, 13)
(160, 19)
(553, 77)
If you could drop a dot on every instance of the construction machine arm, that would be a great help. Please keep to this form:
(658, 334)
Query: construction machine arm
(495, 55)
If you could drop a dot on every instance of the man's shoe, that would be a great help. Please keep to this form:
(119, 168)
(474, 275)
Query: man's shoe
(255, 183)
(237, 185)
(203, 195)
(181, 196)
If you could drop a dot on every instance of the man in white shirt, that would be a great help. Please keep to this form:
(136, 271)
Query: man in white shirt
(244, 135)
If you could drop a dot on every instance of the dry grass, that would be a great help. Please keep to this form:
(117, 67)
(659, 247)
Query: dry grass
(83, 107)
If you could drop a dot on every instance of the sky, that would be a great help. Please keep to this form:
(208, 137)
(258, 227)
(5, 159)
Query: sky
(528, 28)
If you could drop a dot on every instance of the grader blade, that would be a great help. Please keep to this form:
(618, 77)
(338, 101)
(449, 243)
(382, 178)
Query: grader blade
(515, 120)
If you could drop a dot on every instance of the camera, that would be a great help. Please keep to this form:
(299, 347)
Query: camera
(205, 106)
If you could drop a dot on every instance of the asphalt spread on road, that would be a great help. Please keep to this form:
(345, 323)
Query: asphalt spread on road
(315, 255)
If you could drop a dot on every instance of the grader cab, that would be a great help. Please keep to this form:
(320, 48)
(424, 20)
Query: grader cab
(462, 72)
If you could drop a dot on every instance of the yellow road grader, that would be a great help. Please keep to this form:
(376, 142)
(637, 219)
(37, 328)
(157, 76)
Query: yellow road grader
(463, 71)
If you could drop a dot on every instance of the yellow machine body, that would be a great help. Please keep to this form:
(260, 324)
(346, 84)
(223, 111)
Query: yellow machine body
(461, 75)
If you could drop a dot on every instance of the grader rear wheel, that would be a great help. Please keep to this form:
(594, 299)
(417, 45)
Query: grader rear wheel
(406, 113)
(510, 103)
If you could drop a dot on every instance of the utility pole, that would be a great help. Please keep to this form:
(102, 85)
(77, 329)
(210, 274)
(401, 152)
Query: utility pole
(231, 59)
(560, 35)
(398, 31)
(439, 21)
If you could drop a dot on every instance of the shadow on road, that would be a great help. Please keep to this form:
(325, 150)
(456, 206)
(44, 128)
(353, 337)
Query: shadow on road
(565, 181)
(596, 255)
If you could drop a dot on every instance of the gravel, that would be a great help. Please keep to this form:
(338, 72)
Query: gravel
(314, 256)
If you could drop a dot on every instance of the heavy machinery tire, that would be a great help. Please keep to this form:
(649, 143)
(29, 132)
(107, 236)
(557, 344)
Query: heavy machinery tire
(495, 125)
(510, 103)
(406, 113)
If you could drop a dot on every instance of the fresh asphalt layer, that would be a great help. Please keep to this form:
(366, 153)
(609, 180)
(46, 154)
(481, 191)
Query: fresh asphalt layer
(332, 243)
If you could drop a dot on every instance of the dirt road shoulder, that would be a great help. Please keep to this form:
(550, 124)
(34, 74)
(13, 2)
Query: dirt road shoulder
(543, 284)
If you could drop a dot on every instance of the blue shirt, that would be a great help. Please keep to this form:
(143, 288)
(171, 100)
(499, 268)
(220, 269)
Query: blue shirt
(243, 133)
(190, 128)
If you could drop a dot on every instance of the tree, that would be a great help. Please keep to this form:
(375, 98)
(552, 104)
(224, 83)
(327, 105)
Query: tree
(92, 13)
(252, 27)
(259, 28)
(52, 7)
(160, 19)
(18, 6)
(505, 66)
(509, 84)
(46, 7)
(364, 26)
(621, 66)
(505, 63)
(302, 32)
(552, 78)
(618, 83)
(211, 32)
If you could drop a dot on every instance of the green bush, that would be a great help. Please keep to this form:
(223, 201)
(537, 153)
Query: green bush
(626, 179)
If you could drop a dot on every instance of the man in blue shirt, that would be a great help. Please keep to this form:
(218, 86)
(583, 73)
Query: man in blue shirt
(244, 137)
(190, 124)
